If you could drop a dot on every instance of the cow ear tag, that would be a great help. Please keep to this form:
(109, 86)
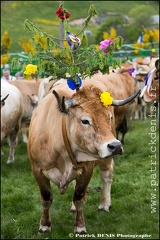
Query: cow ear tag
(106, 99)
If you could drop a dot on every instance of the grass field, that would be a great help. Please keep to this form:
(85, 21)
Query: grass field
(135, 200)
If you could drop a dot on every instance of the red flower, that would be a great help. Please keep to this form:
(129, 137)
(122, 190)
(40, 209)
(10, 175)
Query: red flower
(62, 14)
(59, 10)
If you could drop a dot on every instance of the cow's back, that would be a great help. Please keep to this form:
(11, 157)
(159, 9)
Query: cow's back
(29, 91)
(26, 86)
(120, 86)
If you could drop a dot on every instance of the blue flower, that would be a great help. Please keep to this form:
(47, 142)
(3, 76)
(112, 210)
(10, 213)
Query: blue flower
(72, 84)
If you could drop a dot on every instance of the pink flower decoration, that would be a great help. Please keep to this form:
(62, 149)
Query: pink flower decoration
(105, 44)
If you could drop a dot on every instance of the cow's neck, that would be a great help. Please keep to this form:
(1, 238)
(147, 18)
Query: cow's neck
(68, 146)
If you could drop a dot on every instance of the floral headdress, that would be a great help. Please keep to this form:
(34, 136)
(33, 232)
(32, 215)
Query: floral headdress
(78, 59)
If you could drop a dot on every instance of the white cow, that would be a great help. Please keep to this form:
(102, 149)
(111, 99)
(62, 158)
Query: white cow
(11, 114)
(46, 85)
(42, 87)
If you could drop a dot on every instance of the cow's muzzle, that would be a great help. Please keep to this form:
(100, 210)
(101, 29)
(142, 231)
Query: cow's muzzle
(115, 147)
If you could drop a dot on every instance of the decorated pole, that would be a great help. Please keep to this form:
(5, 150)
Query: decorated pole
(76, 59)
(61, 30)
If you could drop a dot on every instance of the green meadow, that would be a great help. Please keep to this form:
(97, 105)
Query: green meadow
(135, 199)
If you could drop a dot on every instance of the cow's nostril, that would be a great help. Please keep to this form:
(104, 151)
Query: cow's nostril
(111, 147)
(115, 147)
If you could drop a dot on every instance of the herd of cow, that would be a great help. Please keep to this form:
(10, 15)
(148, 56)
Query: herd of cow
(71, 132)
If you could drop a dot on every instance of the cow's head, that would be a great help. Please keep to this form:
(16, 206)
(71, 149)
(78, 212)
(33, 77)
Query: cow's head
(90, 124)
(30, 104)
(34, 100)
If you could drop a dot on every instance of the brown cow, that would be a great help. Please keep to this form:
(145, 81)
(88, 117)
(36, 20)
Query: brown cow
(148, 81)
(149, 75)
(29, 91)
(121, 85)
(69, 133)
(150, 92)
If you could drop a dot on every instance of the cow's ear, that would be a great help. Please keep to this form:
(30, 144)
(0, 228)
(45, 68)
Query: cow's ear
(61, 102)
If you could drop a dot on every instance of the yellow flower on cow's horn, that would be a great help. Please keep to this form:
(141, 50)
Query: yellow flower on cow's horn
(106, 99)
(30, 69)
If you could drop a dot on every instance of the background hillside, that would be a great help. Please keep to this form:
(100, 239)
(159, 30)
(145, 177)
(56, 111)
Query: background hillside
(42, 14)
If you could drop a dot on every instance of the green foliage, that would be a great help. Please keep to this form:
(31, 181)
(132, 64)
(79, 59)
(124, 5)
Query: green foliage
(15, 63)
(140, 16)
(6, 42)
(142, 20)
(82, 59)
(132, 33)
(84, 42)
(143, 15)
(110, 22)
(131, 195)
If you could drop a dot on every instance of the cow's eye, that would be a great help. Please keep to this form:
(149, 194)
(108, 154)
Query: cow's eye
(85, 121)
(111, 117)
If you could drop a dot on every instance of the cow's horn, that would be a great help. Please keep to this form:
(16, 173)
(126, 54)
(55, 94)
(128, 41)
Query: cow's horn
(69, 103)
(4, 98)
(125, 101)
